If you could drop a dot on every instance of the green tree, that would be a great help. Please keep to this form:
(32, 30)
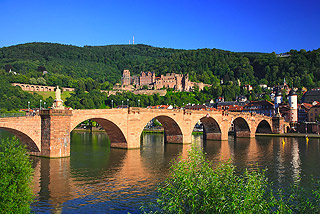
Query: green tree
(196, 186)
(15, 180)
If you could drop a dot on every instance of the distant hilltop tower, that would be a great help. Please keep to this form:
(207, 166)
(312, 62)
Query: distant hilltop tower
(293, 103)
(133, 40)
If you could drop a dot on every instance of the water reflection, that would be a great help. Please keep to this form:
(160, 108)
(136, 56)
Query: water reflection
(102, 179)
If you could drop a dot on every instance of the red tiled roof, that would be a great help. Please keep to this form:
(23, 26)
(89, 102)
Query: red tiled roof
(306, 105)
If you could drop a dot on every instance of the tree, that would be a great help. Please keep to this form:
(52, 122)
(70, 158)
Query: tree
(16, 177)
(41, 81)
(195, 186)
(33, 81)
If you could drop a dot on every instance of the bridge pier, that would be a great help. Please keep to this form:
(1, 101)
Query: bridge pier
(173, 138)
(244, 133)
(212, 136)
(55, 133)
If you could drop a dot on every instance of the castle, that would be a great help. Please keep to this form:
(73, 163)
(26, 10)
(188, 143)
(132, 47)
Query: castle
(179, 82)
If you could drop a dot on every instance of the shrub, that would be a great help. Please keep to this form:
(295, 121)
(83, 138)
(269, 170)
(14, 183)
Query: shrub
(15, 181)
(195, 186)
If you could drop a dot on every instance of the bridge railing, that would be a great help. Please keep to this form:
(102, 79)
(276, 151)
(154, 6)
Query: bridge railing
(20, 114)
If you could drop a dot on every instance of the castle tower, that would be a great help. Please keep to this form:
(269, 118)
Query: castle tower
(126, 80)
(293, 103)
(277, 100)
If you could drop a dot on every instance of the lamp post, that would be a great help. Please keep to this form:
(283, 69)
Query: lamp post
(40, 104)
(44, 104)
(28, 106)
(138, 103)
(111, 103)
(128, 103)
(122, 104)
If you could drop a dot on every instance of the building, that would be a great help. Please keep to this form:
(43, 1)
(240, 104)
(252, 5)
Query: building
(313, 113)
(311, 96)
(144, 79)
(303, 110)
(277, 100)
(293, 104)
(260, 107)
(179, 82)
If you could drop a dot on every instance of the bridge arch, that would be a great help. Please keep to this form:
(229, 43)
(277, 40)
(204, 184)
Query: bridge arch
(211, 128)
(115, 134)
(25, 139)
(241, 127)
(172, 130)
(264, 127)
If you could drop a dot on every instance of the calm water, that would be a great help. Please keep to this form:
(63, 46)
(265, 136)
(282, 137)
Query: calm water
(99, 179)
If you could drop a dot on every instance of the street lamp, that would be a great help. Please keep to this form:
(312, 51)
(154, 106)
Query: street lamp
(44, 104)
(111, 103)
(122, 104)
(138, 103)
(28, 105)
(128, 103)
(40, 104)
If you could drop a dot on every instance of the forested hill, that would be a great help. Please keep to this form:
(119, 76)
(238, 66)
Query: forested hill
(67, 65)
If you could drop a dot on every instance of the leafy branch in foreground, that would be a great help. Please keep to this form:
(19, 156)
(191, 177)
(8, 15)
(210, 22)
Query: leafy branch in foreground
(15, 181)
(195, 186)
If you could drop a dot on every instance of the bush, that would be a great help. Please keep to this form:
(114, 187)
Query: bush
(195, 186)
(15, 181)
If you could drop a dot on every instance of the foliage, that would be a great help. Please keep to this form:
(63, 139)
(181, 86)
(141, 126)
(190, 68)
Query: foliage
(15, 181)
(195, 186)
(98, 68)
(14, 98)
(66, 63)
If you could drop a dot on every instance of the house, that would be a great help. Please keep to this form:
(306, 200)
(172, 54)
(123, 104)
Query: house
(260, 107)
(303, 110)
(196, 107)
(314, 112)
(311, 96)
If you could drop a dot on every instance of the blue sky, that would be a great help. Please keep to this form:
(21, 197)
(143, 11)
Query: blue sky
(235, 25)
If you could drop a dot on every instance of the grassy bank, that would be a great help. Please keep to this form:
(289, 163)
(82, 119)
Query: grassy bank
(46, 94)
(152, 131)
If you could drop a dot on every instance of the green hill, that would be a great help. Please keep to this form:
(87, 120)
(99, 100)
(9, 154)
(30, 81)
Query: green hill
(66, 63)
(92, 68)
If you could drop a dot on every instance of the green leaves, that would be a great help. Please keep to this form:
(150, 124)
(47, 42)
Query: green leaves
(196, 186)
(15, 181)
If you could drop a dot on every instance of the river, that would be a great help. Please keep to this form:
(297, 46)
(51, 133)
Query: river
(100, 179)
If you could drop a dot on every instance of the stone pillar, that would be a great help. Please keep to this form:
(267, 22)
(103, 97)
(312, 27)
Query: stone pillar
(278, 125)
(173, 138)
(55, 133)
(244, 133)
(224, 126)
(211, 135)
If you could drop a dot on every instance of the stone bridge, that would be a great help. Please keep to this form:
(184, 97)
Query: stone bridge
(49, 134)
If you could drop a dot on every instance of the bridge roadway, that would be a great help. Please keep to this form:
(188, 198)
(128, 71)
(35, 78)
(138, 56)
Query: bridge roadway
(49, 134)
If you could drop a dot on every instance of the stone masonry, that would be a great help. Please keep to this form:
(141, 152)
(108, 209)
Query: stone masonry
(49, 134)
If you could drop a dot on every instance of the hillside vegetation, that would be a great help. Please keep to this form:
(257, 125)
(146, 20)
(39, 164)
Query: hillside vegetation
(92, 68)
(65, 63)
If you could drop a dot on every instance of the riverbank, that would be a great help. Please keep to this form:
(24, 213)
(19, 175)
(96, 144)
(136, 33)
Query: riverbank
(310, 135)
(144, 131)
